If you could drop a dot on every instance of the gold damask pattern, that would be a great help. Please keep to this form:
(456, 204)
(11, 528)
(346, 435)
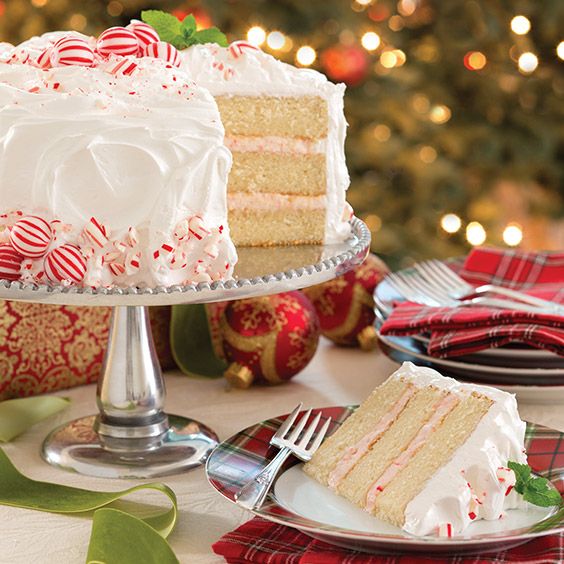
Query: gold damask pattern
(45, 347)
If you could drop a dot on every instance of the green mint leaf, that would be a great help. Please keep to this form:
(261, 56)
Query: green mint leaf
(522, 475)
(166, 25)
(544, 498)
(211, 35)
(188, 25)
(537, 485)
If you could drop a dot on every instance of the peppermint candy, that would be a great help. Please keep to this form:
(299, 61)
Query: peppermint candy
(237, 48)
(196, 227)
(43, 61)
(116, 268)
(117, 41)
(164, 51)
(10, 263)
(144, 32)
(96, 233)
(20, 55)
(506, 476)
(65, 264)
(122, 67)
(445, 530)
(72, 50)
(31, 236)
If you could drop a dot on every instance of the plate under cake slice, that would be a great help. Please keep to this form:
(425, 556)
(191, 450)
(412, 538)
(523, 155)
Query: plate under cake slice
(286, 128)
(426, 453)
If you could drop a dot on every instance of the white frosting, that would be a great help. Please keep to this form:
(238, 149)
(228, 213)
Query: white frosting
(498, 438)
(255, 73)
(143, 151)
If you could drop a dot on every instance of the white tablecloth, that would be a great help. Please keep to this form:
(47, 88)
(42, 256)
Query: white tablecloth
(335, 377)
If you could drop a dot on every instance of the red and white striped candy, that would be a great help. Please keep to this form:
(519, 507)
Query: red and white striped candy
(144, 32)
(117, 41)
(43, 61)
(10, 263)
(116, 268)
(19, 56)
(72, 50)
(31, 236)
(212, 250)
(164, 51)
(506, 476)
(445, 530)
(237, 48)
(132, 237)
(196, 227)
(96, 233)
(65, 263)
(123, 66)
(133, 263)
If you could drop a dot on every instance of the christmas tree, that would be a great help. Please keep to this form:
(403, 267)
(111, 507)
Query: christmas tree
(455, 127)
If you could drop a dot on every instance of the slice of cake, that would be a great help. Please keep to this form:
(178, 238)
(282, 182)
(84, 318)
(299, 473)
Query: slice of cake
(113, 169)
(286, 130)
(426, 453)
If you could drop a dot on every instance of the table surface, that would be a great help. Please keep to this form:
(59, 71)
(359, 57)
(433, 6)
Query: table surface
(336, 376)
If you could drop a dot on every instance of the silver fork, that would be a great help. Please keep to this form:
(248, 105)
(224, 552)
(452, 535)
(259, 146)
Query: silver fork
(418, 289)
(456, 287)
(252, 495)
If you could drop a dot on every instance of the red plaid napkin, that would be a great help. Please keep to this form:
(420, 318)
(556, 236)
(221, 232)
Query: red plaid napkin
(459, 331)
(262, 542)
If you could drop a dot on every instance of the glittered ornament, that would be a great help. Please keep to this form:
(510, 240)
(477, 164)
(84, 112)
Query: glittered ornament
(345, 64)
(345, 305)
(268, 339)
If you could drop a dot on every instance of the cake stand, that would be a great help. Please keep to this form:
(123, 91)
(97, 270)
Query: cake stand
(132, 436)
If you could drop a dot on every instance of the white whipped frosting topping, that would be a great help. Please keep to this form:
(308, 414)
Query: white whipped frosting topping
(143, 151)
(255, 73)
(498, 438)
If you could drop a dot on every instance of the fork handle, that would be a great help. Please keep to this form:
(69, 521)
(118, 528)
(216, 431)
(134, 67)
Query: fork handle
(251, 495)
(522, 297)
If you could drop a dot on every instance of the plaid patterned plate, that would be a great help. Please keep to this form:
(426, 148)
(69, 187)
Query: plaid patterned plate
(235, 461)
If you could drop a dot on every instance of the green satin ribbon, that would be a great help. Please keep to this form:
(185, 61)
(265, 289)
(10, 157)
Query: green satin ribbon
(118, 537)
(18, 415)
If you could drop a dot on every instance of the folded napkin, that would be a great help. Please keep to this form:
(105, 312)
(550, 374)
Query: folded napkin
(458, 331)
(263, 542)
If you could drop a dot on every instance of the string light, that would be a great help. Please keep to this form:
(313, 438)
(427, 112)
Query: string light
(256, 36)
(39, 3)
(528, 62)
(78, 22)
(115, 8)
(451, 223)
(512, 234)
(475, 60)
(373, 222)
(396, 23)
(364, 2)
(370, 41)
(560, 50)
(420, 103)
(306, 55)
(440, 114)
(388, 59)
(275, 40)
(520, 25)
(475, 233)
(407, 7)
(382, 132)
(427, 154)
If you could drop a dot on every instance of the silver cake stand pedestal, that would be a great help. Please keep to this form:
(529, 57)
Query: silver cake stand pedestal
(132, 436)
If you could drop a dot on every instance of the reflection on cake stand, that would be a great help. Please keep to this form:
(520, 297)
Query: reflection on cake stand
(132, 436)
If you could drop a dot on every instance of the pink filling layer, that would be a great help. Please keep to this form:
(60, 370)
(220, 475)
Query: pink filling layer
(274, 144)
(355, 453)
(440, 410)
(262, 201)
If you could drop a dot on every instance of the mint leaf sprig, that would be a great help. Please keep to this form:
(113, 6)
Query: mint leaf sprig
(534, 489)
(181, 34)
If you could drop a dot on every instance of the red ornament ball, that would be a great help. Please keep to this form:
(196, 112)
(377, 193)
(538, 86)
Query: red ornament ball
(345, 306)
(345, 64)
(268, 339)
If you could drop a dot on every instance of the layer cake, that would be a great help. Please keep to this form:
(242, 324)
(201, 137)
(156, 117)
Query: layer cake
(426, 453)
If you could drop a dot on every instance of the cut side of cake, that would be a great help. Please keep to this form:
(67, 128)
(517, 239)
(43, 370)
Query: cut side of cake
(286, 130)
(426, 453)
(112, 173)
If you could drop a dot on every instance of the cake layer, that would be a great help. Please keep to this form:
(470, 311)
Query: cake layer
(263, 227)
(301, 117)
(281, 173)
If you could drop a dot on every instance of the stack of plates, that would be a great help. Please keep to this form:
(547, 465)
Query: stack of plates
(533, 374)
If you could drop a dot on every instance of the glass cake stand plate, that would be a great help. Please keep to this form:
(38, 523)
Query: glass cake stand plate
(132, 436)
(300, 502)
